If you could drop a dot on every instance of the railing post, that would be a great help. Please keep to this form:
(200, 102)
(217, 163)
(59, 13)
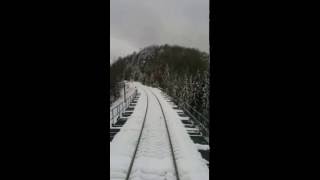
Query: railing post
(112, 116)
(129, 101)
(124, 90)
(119, 109)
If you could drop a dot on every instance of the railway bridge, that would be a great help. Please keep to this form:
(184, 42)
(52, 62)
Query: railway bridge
(151, 137)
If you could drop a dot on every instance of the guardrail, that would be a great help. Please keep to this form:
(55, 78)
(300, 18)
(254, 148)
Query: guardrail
(116, 111)
(201, 121)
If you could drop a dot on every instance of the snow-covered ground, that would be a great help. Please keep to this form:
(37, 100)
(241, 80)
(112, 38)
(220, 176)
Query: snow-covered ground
(154, 159)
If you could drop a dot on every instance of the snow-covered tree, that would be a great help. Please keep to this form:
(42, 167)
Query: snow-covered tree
(177, 70)
(205, 94)
(166, 77)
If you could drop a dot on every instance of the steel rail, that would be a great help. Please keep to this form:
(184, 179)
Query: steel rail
(169, 137)
(170, 142)
(135, 151)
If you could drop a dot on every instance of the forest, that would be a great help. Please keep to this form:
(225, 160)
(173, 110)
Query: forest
(183, 73)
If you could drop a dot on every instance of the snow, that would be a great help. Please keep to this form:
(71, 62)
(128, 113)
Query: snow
(154, 154)
(153, 158)
(202, 147)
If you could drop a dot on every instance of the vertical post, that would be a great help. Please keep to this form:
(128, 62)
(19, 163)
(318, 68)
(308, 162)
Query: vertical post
(118, 110)
(112, 116)
(130, 99)
(124, 88)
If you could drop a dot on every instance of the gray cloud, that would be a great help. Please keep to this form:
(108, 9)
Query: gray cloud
(136, 24)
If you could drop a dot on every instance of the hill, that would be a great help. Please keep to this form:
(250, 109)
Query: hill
(183, 73)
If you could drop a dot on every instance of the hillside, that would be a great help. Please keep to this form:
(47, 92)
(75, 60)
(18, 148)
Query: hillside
(181, 72)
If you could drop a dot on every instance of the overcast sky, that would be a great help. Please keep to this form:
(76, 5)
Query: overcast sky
(136, 24)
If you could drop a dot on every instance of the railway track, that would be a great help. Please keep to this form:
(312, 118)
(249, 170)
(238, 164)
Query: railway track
(153, 156)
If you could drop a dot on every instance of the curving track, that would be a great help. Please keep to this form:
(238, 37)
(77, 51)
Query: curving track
(153, 157)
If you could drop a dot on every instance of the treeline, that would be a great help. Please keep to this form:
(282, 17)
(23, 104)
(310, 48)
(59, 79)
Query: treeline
(183, 73)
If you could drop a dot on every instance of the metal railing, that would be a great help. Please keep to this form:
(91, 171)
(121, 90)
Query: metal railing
(201, 121)
(116, 111)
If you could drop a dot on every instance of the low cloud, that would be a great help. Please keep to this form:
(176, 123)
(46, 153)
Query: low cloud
(136, 24)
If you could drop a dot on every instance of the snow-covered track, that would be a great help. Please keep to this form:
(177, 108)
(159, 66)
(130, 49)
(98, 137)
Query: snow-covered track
(163, 146)
(139, 139)
(148, 152)
(169, 137)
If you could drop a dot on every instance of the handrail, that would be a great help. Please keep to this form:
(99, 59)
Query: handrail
(203, 127)
(118, 109)
(196, 111)
(195, 115)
